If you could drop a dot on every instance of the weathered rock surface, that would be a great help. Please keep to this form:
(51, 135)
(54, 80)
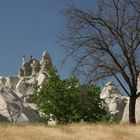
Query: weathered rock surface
(12, 108)
(14, 90)
(125, 117)
(114, 100)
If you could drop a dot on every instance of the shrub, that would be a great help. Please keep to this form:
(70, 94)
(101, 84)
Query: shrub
(68, 101)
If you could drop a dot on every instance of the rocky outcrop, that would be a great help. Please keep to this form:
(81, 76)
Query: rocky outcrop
(125, 117)
(33, 67)
(114, 100)
(13, 109)
(118, 104)
(14, 106)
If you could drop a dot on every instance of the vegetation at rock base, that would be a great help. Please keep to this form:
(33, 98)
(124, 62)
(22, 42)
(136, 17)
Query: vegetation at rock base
(69, 101)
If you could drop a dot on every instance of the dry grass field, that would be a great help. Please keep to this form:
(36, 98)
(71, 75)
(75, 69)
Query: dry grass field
(70, 132)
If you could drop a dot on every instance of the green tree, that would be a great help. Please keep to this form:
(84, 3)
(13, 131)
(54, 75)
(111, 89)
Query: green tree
(67, 101)
(90, 103)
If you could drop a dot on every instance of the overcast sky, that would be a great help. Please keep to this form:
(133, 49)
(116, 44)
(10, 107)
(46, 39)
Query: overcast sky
(30, 27)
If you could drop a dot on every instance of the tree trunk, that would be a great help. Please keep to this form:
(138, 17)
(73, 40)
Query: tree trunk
(132, 103)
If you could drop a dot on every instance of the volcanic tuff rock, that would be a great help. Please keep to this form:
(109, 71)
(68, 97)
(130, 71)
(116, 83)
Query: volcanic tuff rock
(118, 104)
(15, 89)
(125, 117)
(114, 100)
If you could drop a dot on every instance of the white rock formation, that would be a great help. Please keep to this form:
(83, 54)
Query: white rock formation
(15, 89)
(125, 117)
(114, 100)
(11, 82)
(12, 108)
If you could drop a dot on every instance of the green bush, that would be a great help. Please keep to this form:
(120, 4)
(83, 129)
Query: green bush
(68, 101)
(90, 103)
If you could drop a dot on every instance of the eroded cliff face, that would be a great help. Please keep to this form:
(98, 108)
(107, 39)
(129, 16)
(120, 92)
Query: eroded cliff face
(14, 90)
(114, 100)
(118, 104)
(125, 117)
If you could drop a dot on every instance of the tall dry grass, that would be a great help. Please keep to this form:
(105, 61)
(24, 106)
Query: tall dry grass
(70, 132)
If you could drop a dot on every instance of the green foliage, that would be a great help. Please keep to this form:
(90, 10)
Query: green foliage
(111, 119)
(67, 101)
(90, 103)
(114, 119)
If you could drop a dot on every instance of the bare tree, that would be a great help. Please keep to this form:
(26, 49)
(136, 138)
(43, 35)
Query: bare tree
(106, 42)
(14, 111)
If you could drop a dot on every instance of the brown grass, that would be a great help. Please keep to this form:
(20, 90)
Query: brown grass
(70, 132)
